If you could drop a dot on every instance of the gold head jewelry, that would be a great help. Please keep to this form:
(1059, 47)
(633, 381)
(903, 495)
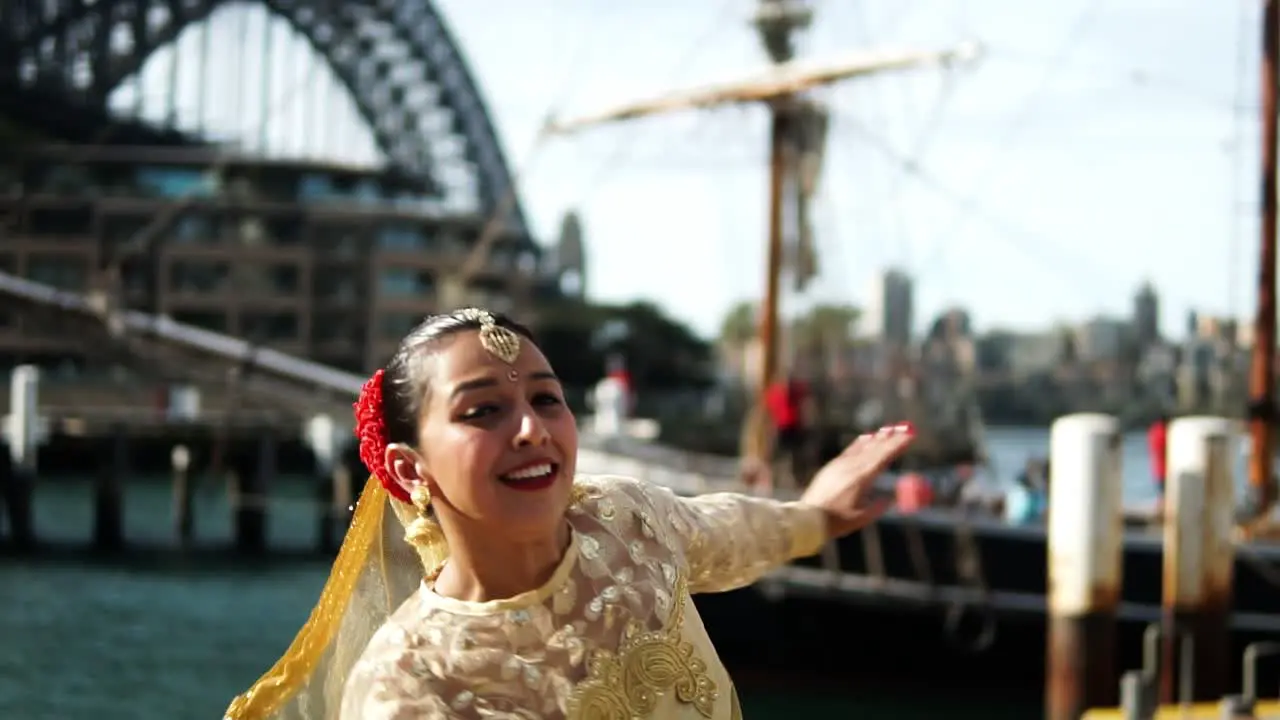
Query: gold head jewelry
(498, 341)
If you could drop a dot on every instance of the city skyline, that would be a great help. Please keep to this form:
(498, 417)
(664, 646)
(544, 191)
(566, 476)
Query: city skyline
(1048, 181)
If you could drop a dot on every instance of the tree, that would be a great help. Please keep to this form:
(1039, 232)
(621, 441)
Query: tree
(740, 324)
(660, 351)
(826, 327)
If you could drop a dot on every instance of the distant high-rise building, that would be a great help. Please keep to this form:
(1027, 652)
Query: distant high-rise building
(952, 324)
(1146, 316)
(889, 312)
(570, 257)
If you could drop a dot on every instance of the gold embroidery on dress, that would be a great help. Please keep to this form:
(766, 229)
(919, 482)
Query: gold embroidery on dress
(628, 684)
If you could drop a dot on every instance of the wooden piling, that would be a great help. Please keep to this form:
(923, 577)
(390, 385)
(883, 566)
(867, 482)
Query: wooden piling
(183, 498)
(1085, 543)
(108, 492)
(253, 477)
(16, 488)
(1198, 557)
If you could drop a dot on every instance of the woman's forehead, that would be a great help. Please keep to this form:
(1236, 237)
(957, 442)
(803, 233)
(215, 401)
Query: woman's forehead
(463, 357)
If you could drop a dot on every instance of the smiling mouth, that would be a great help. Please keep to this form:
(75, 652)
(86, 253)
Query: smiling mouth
(531, 477)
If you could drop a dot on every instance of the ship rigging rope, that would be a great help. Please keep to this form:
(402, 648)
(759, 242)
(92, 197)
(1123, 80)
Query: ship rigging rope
(978, 182)
(1235, 218)
(927, 131)
(622, 150)
(1037, 247)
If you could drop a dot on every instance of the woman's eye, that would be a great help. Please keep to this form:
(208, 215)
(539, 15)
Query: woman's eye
(479, 411)
(545, 399)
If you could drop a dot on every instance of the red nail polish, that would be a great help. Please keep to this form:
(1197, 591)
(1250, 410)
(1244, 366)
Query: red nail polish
(908, 428)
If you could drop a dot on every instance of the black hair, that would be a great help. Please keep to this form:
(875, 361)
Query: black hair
(404, 379)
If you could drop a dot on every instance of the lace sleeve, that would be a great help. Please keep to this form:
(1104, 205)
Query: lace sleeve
(389, 684)
(731, 540)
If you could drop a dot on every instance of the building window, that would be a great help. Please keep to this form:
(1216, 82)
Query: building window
(336, 327)
(285, 279)
(402, 238)
(174, 183)
(215, 321)
(192, 276)
(337, 242)
(118, 231)
(395, 325)
(269, 326)
(405, 282)
(330, 285)
(196, 228)
(71, 221)
(368, 192)
(66, 273)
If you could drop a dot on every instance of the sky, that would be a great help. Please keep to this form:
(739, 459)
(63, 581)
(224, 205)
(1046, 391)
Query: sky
(1096, 145)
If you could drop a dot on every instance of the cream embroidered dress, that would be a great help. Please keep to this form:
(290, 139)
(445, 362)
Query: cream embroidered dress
(613, 633)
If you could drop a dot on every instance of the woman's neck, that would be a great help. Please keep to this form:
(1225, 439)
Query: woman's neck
(483, 568)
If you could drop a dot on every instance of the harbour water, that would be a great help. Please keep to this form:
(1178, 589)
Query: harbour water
(176, 640)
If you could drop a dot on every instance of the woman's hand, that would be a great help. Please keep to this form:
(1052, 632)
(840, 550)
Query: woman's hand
(840, 488)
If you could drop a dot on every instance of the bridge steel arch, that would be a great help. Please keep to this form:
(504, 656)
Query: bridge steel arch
(406, 74)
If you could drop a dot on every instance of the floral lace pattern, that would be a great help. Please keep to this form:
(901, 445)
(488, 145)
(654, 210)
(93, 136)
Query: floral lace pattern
(612, 635)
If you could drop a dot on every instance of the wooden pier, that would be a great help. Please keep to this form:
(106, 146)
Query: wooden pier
(246, 452)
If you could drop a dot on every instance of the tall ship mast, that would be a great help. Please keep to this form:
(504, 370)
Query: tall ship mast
(797, 127)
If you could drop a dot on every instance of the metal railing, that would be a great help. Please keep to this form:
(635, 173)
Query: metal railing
(1140, 689)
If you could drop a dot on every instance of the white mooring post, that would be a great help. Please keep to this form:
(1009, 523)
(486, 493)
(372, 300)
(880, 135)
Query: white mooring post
(24, 417)
(24, 435)
(1086, 531)
(333, 479)
(1199, 554)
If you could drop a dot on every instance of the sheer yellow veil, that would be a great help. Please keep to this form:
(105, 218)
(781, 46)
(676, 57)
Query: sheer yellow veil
(375, 571)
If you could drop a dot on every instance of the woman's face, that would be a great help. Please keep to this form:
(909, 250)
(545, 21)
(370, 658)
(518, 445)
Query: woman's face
(497, 441)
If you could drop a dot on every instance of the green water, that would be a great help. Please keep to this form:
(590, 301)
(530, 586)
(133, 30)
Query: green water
(83, 640)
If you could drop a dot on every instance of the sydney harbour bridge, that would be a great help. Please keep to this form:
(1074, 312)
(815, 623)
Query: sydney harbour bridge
(440, 171)
(61, 60)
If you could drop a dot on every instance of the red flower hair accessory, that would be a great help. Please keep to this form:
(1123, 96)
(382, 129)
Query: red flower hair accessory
(372, 431)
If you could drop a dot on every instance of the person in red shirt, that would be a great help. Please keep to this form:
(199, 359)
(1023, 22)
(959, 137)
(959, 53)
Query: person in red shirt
(616, 368)
(785, 403)
(1158, 451)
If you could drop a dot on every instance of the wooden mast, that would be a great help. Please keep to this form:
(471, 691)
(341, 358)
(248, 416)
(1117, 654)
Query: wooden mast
(777, 22)
(779, 86)
(1262, 405)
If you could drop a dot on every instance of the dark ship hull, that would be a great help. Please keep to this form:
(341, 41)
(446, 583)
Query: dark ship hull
(908, 609)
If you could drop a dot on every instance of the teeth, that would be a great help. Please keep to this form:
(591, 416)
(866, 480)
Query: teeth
(532, 471)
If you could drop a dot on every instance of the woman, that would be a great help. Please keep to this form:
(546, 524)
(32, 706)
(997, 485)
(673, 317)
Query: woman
(533, 596)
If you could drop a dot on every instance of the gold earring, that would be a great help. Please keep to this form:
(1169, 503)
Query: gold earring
(424, 532)
(420, 496)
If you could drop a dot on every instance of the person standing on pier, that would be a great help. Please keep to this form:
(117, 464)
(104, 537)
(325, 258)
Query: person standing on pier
(787, 402)
(1158, 452)
(529, 592)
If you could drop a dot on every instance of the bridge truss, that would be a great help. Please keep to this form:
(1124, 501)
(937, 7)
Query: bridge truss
(405, 74)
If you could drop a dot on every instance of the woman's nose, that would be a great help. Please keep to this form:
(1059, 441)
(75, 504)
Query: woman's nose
(532, 432)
